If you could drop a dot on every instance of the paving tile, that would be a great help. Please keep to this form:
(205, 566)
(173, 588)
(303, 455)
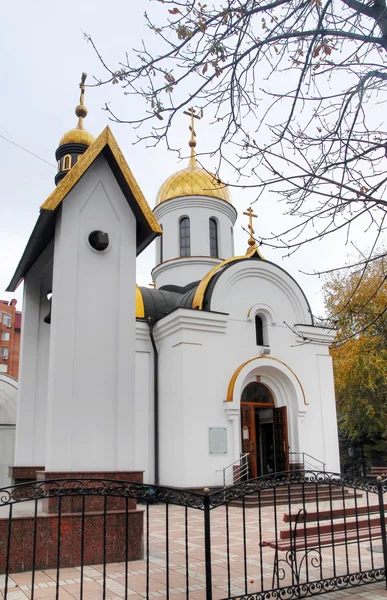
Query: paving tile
(259, 563)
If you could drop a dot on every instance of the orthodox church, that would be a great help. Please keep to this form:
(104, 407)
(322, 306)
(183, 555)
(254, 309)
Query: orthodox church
(208, 366)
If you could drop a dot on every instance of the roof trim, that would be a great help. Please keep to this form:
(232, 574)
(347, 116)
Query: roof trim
(41, 236)
(147, 227)
(106, 144)
(212, 283)
(140, 310)
(198, 300)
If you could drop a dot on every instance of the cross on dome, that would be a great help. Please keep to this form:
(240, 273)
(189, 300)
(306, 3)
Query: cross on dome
(192, 143)
(249, 213)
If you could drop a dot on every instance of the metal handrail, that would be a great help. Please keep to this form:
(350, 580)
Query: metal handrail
(239, 469)
(307, 463)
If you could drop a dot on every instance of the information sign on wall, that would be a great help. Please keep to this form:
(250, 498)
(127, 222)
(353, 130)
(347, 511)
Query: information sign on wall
(218, 440)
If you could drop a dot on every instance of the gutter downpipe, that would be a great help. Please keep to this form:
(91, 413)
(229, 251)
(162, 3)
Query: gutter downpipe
(156, 399)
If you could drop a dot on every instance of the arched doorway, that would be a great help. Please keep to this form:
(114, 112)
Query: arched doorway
(264, 431)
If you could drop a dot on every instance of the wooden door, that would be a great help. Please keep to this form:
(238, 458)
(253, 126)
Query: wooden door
(249, 437)
(281, 439)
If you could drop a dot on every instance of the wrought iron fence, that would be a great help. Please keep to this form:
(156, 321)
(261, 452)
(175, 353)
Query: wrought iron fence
(288, 535)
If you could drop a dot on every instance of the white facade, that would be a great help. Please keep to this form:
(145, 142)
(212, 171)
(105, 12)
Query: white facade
(176, 270)
(102, 391)
(91, 361)
(76, 404)
(201, 351)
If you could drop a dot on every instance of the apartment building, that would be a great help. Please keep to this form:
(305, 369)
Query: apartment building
(10, 326)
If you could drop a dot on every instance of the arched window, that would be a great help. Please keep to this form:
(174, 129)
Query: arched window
(185, 237)
(258, 393)
(213, 238)
(67, 162)
(259, 330)
(232, 242)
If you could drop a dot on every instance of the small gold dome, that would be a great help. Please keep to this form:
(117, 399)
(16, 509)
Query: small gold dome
(193, 181)
(77, 136)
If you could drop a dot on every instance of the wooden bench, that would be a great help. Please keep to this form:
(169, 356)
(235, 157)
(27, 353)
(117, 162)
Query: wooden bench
(311, 531)
(377, 472)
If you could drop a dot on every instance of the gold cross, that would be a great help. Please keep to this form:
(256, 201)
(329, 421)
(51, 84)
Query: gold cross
(249, 213)
(191, 113)
(82, 86)
(152, 284)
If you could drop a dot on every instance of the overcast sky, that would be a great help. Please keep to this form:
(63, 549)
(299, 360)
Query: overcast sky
(43, 54)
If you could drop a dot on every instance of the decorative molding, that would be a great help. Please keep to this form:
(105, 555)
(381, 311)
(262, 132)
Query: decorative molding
(142, 332)
(231, 385)
(202, 287)
(189, 320)
(188, 202)
(268, 272)
(317, 334)
(267, 310)
(184, 261)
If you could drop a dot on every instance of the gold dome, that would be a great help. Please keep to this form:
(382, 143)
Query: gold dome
(77, 136)
(193, 181)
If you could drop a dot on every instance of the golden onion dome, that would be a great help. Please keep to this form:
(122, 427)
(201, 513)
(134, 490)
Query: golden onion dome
(193, 181)
(78, 135)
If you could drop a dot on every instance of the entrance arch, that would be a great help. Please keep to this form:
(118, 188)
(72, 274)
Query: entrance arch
(285, 388)
(264, 431)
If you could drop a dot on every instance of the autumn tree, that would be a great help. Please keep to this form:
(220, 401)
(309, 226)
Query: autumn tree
(296, 89)
(359, 302)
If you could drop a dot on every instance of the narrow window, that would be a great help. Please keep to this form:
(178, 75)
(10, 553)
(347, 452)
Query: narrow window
(7, 320)
(232, 242)
(213, 238)
(67, 162)
(259, 330)
(185, 237)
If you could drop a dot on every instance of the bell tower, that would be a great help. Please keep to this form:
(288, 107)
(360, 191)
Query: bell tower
(194, 209)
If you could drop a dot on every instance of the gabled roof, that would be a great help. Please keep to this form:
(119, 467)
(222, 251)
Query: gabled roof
(43, 232)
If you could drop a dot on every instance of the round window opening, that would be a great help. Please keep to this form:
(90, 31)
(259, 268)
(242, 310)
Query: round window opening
(257, 392)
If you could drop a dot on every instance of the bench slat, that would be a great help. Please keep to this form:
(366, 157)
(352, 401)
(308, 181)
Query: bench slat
(323, 540)
(337, 513)
(336, 527)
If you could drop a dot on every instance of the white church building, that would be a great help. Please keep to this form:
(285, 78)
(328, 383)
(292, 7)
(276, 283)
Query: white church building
(208, 365)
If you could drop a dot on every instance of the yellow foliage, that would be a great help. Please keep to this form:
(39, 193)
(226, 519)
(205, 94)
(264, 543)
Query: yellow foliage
(357, 304)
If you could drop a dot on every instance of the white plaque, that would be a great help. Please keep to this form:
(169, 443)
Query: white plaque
(218, 440)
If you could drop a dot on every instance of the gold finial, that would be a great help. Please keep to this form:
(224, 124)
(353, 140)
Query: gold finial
(192, 143)
(249, 213)
(152, 284)
(81, 110)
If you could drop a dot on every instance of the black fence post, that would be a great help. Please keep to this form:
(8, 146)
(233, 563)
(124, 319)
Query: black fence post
(207, 543)
(379, 484)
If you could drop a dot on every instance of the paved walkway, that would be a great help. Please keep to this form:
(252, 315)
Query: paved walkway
(256, 573)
